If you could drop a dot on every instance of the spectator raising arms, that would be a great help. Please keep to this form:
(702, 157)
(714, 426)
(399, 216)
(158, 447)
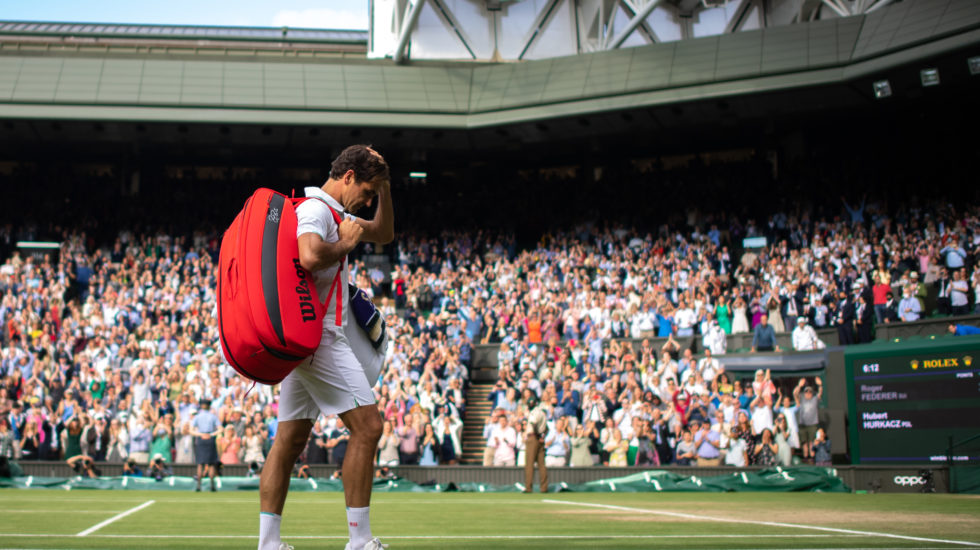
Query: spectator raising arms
(808, 403)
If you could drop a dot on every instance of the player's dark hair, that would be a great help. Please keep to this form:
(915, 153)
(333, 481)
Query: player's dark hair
(366, 164)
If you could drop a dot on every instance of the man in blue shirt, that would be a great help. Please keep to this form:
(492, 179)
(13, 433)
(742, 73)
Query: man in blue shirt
(954, 254)
(764, 338)
(963, 330)
(568, 399)
(557, 444)
(472, 320)
(707, 442)
(204, 428)
(26, 365)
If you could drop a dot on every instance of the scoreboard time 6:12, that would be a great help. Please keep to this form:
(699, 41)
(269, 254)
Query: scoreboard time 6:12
(906, 399)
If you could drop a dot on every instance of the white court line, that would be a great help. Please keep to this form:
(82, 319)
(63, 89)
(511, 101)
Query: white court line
(756, 522)
(207, 500)
(67, 497)
(48, 511)
(440, 537)
(794, 548)
(116, 517)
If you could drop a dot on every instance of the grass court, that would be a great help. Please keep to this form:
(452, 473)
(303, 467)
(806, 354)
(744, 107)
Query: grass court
(47, 519)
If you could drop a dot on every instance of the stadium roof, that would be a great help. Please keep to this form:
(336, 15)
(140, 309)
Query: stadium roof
(169, 40)
(110, 30)
(190, 83)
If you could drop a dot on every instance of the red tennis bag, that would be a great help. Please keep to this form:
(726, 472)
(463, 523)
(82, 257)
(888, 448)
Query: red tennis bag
(269, 315)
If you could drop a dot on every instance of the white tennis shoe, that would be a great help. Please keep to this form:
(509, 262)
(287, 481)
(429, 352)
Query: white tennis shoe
(373, 544)
(284, 546)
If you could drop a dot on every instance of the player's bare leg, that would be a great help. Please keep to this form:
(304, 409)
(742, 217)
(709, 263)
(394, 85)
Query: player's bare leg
(364, 424)
(291, 438)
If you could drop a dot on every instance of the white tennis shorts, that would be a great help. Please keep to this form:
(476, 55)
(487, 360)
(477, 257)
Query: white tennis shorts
(331, 381)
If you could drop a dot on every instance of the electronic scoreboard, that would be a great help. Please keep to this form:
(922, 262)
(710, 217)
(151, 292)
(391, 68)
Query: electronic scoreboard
(907, 399)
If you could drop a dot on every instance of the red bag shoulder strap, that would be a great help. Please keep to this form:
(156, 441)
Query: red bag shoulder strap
(336, 284)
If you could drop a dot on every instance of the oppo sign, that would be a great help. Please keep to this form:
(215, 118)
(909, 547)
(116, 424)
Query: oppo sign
(908, 481)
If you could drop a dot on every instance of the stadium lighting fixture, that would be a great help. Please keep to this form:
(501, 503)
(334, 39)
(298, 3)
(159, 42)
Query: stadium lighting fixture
(929, 77)
(418, 175)
(882, 89)
(38, 244)
(974, 63)
(38, 249)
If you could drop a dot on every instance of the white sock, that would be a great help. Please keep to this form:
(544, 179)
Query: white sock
(269, 531)
(359, 525)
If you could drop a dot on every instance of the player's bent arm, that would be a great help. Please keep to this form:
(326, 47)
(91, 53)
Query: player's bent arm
(381, 229)
(316, 254)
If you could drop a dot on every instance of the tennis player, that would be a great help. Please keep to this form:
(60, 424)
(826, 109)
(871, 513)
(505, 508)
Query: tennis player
(332, 381)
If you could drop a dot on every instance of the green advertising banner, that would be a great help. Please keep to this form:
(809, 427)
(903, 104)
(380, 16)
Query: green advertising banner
(908, 399)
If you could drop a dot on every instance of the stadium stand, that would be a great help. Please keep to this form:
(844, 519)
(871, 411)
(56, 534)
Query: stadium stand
(109, 343)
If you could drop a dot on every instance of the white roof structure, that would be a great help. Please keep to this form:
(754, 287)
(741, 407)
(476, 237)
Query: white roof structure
(514, 30)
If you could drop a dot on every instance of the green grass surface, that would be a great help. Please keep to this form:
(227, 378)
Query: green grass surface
(54, 519)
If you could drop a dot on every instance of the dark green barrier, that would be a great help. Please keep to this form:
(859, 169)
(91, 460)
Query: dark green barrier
(772, 480)
(965, 479)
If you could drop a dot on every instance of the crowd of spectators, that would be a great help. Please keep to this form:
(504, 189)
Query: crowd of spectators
(669, 414)
(566, 313)
(109, 346)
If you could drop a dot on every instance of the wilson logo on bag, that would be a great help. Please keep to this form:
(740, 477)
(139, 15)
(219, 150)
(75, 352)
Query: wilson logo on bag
(269, 316)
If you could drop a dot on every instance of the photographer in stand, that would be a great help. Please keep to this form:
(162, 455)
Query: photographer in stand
(131, 468)
(83, 465)
(159, 468)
